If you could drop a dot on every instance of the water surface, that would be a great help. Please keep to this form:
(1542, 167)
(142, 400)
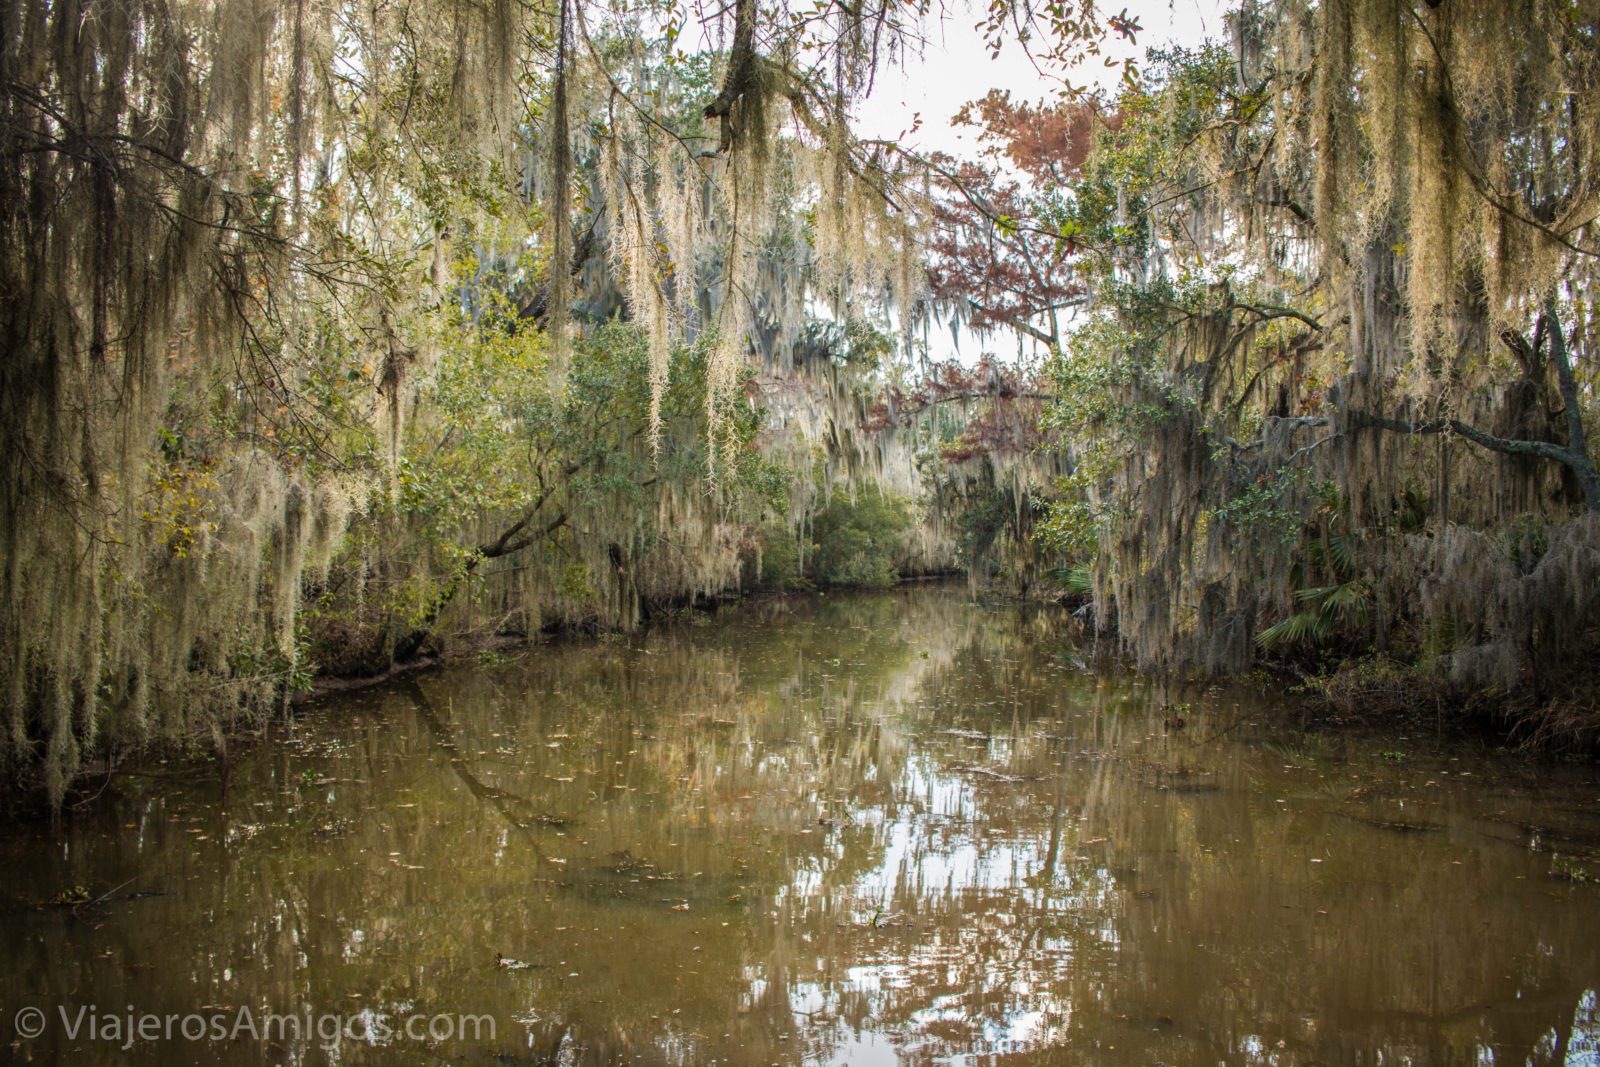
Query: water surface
(882, 829)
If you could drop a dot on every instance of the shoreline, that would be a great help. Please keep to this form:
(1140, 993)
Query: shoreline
(1459, 722)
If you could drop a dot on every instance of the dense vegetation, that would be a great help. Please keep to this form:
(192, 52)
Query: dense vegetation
(1329, 405)
(334, 333)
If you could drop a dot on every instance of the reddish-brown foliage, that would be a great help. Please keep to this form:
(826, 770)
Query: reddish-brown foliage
(989, 254)
(1046, 142)
(1008, 424)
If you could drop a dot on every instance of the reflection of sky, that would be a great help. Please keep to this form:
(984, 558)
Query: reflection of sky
(1583, 1046)
(939, 855)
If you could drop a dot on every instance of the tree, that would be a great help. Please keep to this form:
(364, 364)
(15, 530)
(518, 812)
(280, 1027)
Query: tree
(1275, 365)
(997, 257)
(233, 234)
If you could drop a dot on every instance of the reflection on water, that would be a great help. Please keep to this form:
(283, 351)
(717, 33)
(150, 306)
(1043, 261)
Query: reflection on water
(888, 829)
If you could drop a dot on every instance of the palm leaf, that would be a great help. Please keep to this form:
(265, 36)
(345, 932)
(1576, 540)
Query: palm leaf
(1342, 553)
(1299, 628)
(1080, 579)
(1347, 601)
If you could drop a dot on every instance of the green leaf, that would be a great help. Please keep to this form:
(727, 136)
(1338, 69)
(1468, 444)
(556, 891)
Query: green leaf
(1306, 627)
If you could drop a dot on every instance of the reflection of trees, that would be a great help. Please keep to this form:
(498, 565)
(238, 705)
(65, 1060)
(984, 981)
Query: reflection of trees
(1178, 918)
(1336, 936)
(890, 818)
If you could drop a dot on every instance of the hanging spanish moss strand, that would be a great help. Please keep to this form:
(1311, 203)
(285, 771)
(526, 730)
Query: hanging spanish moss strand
(558, 184)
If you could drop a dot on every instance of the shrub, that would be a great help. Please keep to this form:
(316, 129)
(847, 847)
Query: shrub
(857, 542)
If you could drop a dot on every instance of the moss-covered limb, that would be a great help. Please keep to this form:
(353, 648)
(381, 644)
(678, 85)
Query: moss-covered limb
(993, 390)
(740, 76)
(1578, 456)
(512, 540)
(1580, 463)
(1274, 423)
(1504, 445)
(536, 307)
(516, 537)
(1574, 455)
(1267, 312)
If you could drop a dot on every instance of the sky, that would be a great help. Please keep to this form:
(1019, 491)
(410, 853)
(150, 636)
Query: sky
(956, 68)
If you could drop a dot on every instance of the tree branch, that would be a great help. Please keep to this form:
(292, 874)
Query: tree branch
(1022, 326)
(1582, 463)
(537, 306)
(1579, 462)
(741, 70)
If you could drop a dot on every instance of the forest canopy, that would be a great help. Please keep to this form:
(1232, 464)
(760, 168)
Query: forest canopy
(337, 332)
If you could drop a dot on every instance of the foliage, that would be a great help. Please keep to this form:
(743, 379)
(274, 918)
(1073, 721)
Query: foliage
(297, 341)
(1258, 322)
(985, 515)
(857, 542)
(781, 561)
(1323, 610)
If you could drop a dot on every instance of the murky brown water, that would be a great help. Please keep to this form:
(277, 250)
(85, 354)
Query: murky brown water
(880, 829)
